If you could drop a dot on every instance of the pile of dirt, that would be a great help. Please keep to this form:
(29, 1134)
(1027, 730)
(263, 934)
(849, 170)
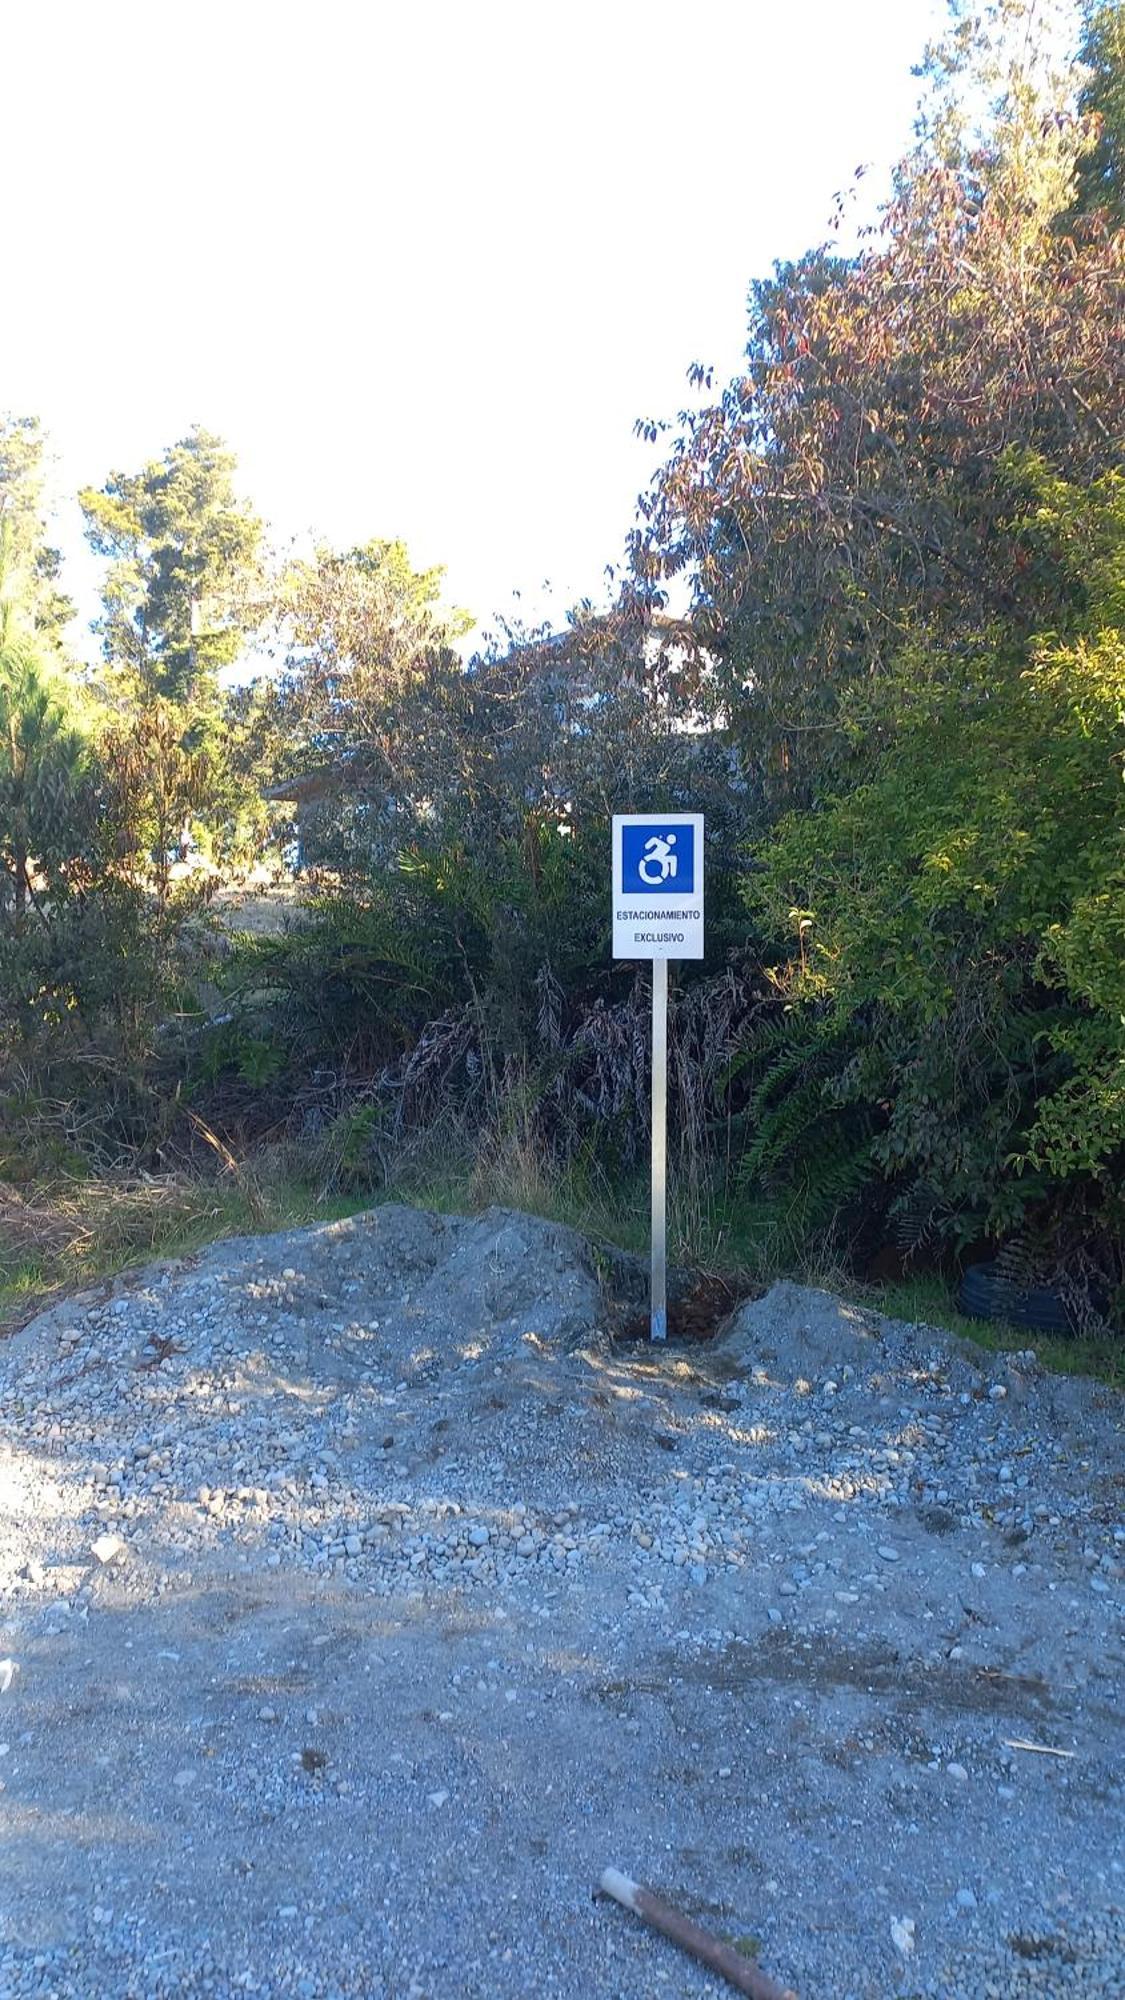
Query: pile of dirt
(796, 1333)
(501, 1277)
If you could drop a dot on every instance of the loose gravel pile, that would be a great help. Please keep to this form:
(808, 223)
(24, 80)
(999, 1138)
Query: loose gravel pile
(361, 1600)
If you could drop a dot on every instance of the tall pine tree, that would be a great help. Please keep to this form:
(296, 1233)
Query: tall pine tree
(177, 540)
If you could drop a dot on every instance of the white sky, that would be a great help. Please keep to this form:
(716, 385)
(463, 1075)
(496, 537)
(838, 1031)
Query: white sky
(422, 265)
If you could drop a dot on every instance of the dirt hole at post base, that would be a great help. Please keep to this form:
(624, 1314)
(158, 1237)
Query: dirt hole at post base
(699, 1306)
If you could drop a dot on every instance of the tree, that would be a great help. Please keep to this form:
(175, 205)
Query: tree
(962, 911)
(368, 643)
(362, 626)
(182, 589)
(44, 801)
(42, 754)
(844, 495)
(159, 782)
(177, 540)
(1101, 173)
(29, 566)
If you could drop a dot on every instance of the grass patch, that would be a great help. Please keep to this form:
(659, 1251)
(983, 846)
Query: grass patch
(931, 1302)
(76, 1234)
(705, 1232)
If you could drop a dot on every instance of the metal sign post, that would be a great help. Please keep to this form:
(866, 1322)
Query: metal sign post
(658, 1326)
(658, 914)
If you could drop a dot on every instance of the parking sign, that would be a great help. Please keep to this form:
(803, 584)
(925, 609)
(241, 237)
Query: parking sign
(658, 885)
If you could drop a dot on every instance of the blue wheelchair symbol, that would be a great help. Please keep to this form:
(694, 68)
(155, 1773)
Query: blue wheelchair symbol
(658, 861)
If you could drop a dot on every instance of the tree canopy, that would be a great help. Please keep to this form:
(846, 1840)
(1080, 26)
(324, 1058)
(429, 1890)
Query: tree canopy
(183, 563)
(30, 567)
(1101, 170)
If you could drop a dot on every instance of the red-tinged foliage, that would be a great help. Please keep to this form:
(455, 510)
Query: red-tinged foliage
(851, 489)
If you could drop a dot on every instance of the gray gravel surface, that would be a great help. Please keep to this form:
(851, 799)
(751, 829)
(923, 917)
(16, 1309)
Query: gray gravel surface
(362, 1601)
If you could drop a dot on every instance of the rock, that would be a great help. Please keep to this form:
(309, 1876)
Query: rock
(958, 1773)
(8, 1671)
(965, 1899)
(107, 1548)
(479, 1536)
(353, 1545)
(902, 1935)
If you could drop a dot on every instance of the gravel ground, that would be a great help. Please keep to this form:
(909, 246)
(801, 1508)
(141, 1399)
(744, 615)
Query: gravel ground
(363, 1602)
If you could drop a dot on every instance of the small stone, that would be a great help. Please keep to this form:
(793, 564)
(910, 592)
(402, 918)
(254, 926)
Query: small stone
(8, 1671)
(478, 1536)
(526, 1545)
(888, 1554)
(107, 1548)
(698, 1573)
(353, 1545)
(902, 1935)
(965, 1899)
(437, 1799)
(958, 1772)
(978, 1570)
(184, 1778)
(32, 1571)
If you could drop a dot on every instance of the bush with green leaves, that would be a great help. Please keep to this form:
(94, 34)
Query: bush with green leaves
(962, 911)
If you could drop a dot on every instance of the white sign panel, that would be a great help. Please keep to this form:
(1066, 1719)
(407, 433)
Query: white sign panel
(658, 885)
